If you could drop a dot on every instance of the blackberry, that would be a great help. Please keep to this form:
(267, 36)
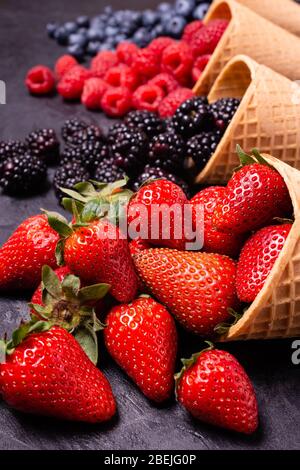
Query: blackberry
(223, 111)
(145, 121)
(67, 175)
(72, 127)
(201, 147)
(152, 172)
(22, 174)
(167, 151)
(192, 117)
(11, 148)
(44, 144)
(130, 149)
(114, 130)
(89, 154)
(108, 171)
(90, 134)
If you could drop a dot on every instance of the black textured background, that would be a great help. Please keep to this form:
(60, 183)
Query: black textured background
(139, 425)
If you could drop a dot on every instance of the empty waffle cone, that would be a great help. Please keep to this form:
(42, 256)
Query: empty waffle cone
(268, 117)
(275, 313)
(285, 13)
(251, 34)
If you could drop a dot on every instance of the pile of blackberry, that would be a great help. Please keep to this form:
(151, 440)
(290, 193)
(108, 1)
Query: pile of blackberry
(86, 36)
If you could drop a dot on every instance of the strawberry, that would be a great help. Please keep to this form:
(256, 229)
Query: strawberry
(257, 259)
(254, 196)
(142, 339)
(25, 252)
(215, 241)
(151, 197)
(137, 245)
(207, 38)
(197, 288)
(46, 372)
(215, 388)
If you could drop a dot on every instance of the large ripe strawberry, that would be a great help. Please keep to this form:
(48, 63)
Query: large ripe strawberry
(46, 372)
(25, 252)
(142, 339)
(257, 259)
(159, 195)
(254, 196)
(197, 288)
(215, 241)
(215, 388)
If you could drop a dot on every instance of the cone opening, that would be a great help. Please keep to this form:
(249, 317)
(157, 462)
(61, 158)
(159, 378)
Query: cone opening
(220, 12)
(233, 82)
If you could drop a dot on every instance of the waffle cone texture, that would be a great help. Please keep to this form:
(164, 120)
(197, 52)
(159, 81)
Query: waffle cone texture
(267, 118)
(251, 34)
(284, 13)
(275, 313)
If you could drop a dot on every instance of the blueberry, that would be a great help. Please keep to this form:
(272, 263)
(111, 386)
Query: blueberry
(61, 36)
(106, 47)
(185, 7)
(70, 27)
(78, 39)
(111, 31)
(120, 38)
(141, 37)
(201, 11)
(150, 18)
(158, 30)
(112, 21)
(93, 47)
(175, 26)
(108, 11)
(128, 28)
(51, 29)
(77, 51)
(83, 21)
(165, 7)
(94, 34)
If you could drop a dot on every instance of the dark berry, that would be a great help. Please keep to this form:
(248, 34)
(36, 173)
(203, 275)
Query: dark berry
(200, 11)
(114, 130)
(67, 175)
(167, 151)
(165, 7)
(223, 111)
(89, 154)
(185, 7)
(108, 172)
(77, 39)
(51, 29)
(174, 27)
(149, 18)
(95, 34)
(193, 116)
(91, 133)
(93, 48)
(83, 21)
(71, 128)
(70, 27)
(61, 35)
(141, 37)
(22, 174)
(152, 172)
(130, 149)
(145, 121)
(201, 147)
(44, 144)
(11, 148)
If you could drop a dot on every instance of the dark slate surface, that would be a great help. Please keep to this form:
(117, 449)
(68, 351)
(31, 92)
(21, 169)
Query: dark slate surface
(139, 424)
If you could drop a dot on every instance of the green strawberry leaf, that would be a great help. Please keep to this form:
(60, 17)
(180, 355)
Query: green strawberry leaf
(222, 328)
(86, 188)
(70, 286)
(87, 339)
(68, 204)
(51, 282)
(58, 223)
(95, 292)
(74, 194)
(59, 252)
(245, 159)
(2, 351)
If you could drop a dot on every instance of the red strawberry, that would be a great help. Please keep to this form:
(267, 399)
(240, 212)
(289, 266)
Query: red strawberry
(137, 245)
(206, 39)
(197, 288)
(215, 388)
(63, 65)
(71, 85)
(159, 194)
(30, 247)
(257, 259)
(215, 241)
(142, 339)
(49, 374)
(254, 196)
(93, 90)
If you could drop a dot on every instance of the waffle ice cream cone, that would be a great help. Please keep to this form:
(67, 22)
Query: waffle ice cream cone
(251, 34)
(275, 313)
(285, 13)
(268, 117)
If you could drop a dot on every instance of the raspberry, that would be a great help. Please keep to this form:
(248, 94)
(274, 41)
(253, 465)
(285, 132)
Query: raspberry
(116, 102)
(121, 75)
(177, 60)
(170, 104)
(164, 81)
(199, 65)
(71, 85)
(206, 40)
(126, 52)
(147, 97)
(63, 65)
(103, 62)
(146, 64)
(158, 45)
(191, 29)
(40, 80)
(93, 90)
